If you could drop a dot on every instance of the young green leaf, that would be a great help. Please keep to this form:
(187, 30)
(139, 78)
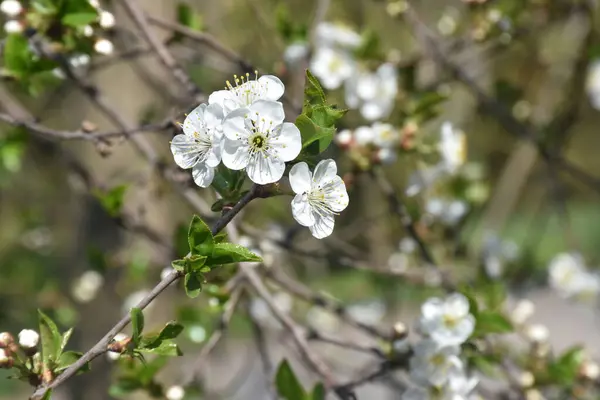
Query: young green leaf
(166, 348)
(51, 340)
(137, 323)
(228, 253)
(170, 331)
(78, 20)
(69, 357)
(17, 55)
(112, 200)
(318, 392)
(188, 17)
(313, 91)
(287, 384)
(492, 322)
(65, 339)
(200, 238)
(193, 284)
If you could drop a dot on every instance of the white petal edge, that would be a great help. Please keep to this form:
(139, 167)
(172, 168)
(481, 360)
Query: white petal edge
(274, 88)
(271, 111)
(300, 180)
(287, 141)
(235, 154)
(203, 175)
(180, 147)
(323, 226)
(301, 211)
(234, 125)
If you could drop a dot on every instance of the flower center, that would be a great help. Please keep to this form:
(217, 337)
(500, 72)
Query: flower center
(245, 89)
(450, 321)
(335, 64)
(437, 360)
(258, 142)
(318, 200)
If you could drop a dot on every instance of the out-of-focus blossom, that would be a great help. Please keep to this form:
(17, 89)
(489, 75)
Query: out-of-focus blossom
(11, 8)
(448, 321)
(87, 286)
(337, 35)
(369, 313)
(104, 47)
(332, 66)
(374, 93)
(295, 53)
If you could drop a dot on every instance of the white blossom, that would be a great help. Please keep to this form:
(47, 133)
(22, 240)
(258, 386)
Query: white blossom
(88, 31)
(453, 147)
(385, 135)
(344, 138)
(196, 333)
(569, 276)
(11, 8)
(257, 139)
(247, 91)
(537, 333)
(94, 3)
(420, 180)
(432, 363)
(175, 393)
(319, 196)
(369, 313)
(449, 212)
(522, 311)
(13, 26)
(107, 19)
(28, 339)
(104, 46)
(295, 53)
(448, 322)
(364, 135)
(332, 67)
(337, 35)
(86, 287)
(387, 156)
(593, 84)
(199, 147)
(374, 93)
(459, 386)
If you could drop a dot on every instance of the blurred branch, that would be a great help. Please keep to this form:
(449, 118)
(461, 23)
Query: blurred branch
(142, 22)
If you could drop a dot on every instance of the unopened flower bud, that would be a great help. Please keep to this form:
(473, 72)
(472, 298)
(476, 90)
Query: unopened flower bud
(526, 379)
(589, 370)
(11, 8)
(5, 360)
(88, 31)
(28, 339)
(104, 46)
(88, 126)
(175, 393)
(537, 333)
(400, 330)
(117, 346)
(522, 312)
(6, 340)
(13, 26)
(107, 19)
(534, 394)
(344, 138)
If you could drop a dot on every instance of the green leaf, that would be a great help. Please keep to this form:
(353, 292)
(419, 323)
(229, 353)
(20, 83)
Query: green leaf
(69, 357)
(193, 284)
(221, 237)
(137, 323)
(287, 384)
(313, 91)
(228, 253)
(124, 386)
(179, 265)
(170, 331)
(17, 55)
(492, 322)
(565, 369)
(112, 200)
(77, 20)
(188, 17)
(65, 339)
(166, 348)
(200, 238)
(315, 139)
(51, 340)
(47, 395)
(318, 392)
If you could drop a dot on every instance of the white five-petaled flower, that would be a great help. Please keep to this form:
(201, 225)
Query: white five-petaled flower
(453, 147)
(373, 93)
(337, 35)
(570, 277)
(448, 322)
(331, 66)
(247, 91)
(319, 196)
(28, 339)
(257, 139)
(199, 147)
(12, 8)
(431, 363)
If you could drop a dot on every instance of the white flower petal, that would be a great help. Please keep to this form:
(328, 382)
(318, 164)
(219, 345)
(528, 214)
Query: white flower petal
(213, 157)
(432, 308)
(234, 125)
(270, 111)
(213, 115)
(300, 180)
(287, 141)
(325, 171)
(203, 174)
(263, 169)
(457, 305)
(273, 87)
(302, 211)
(182, 148)
(336, 195)
(323, 225)
(219, 97)
(235, 154)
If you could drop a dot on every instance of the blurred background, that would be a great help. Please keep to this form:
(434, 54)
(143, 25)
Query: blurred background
(63, 250)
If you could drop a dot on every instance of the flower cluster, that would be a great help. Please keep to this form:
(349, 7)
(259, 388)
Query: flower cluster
(243, 126)
(12, 10)
(569, 276)
(11, 351)
(333, 62)
(436, 368)
(377, 143)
